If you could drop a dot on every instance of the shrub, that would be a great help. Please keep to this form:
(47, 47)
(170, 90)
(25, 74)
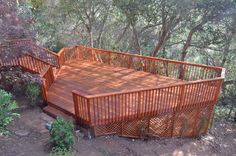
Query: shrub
(32, 92)
(61, 152)
(14, 79)
(7, 106)
(61, 134)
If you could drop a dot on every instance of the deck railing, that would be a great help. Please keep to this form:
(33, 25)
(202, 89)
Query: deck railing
(170, 68)
(114, 107)
(34, 65)
(12, 48)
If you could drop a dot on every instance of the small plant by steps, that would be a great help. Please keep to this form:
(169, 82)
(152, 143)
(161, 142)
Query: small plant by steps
(62, 134)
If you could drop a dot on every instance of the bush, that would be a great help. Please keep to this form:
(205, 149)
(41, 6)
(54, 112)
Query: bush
(61, 152)
(61, 134)
(14, 79)
(32, 92)
(7, 106)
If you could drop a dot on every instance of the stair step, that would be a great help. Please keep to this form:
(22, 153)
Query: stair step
(54, 112)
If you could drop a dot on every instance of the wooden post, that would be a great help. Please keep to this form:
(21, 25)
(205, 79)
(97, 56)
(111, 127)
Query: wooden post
(183, 72)
(43, 91)
(89, 114)
(75, 100)
(139, 103)
(212, 107)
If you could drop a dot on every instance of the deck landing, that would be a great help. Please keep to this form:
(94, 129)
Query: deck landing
(95, 78)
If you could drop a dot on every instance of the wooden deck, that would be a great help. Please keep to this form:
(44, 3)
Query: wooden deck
(95, 78)
(121, 93)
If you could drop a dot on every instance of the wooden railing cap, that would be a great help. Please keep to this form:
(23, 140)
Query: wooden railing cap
(152, 58)
(89, 96)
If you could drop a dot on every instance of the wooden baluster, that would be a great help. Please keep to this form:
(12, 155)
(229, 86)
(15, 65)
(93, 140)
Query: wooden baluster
(139, 104)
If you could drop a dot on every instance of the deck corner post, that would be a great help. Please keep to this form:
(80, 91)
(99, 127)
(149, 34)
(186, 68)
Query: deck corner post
(210, 118)
(51, 74)
(75, 100)
(89, 112)
(183, 72)
(43, 91)
(139, 104)
(223, 73)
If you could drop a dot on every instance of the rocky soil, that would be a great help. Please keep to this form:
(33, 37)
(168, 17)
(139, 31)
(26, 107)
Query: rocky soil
(29, 137)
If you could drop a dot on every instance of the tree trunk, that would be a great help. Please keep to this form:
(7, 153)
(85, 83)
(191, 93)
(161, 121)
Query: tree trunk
(91, 38)
(163, 32)
(161, 41)
(136, 40)
(187, 44)
(123, 33)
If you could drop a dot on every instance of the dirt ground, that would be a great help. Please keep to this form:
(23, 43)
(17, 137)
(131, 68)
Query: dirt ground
(29, 138)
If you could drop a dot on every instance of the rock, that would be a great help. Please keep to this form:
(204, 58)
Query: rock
(22, 133)
(79, 134)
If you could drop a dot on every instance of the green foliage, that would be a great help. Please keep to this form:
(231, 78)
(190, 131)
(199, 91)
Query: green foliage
(61, 134)
(131, 8)
(7, 106)
(61, 152)
(32, 92)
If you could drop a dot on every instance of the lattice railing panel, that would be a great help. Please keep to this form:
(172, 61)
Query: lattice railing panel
(107, 129)
(161, 125)
(204, 119)
(135, 128)
(184, 122)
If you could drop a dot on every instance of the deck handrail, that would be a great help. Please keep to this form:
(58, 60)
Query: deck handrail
(170, 68)
(154, 58)
(51, 57)
(89, 96)
(87, 101)
(33, 64)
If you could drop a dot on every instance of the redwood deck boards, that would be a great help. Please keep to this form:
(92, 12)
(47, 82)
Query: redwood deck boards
(96, 78)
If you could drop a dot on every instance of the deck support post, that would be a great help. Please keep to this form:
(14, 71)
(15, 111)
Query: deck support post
(75, 100)
(89, 114)
(139, 104)
(217, 92)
